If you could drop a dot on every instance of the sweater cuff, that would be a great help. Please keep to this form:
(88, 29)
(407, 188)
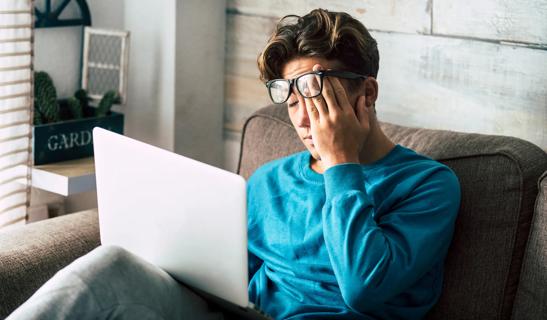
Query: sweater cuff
(343, 178)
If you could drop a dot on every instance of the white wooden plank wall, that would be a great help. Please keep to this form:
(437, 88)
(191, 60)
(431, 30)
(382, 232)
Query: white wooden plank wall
(522, 21)
(472, 66)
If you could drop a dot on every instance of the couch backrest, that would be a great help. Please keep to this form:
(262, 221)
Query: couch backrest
(498, 178)
(531, 301)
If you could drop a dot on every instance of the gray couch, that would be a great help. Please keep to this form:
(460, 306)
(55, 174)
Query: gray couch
(497, 264)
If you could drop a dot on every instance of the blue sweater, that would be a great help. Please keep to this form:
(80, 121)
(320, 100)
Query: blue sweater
(357, 242)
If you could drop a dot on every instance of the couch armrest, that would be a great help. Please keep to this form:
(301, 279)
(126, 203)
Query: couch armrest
(32, 254)
(531, 299)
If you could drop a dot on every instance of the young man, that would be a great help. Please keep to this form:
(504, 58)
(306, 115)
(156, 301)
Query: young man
(353, 228)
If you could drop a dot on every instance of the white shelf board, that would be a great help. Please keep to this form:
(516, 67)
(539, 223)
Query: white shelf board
(65, 178)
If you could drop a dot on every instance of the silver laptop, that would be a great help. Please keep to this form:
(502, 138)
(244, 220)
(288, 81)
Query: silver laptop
(186, 217)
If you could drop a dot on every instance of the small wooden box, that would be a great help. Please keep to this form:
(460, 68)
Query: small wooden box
(71, 139)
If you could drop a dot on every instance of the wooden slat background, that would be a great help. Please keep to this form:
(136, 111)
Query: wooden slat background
(472, 66)
(401, 16)
(521, 20)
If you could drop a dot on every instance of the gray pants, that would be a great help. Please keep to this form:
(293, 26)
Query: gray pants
(111, 283)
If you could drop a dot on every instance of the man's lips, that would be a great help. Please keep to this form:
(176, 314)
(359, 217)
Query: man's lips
(310, 139)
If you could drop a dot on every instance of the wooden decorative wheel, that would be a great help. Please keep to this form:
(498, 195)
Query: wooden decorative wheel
(51, 17)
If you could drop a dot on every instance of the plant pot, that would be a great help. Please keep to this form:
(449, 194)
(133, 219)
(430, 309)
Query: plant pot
(71, 139)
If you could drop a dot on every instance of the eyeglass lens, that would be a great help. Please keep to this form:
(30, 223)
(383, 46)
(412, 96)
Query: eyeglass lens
(309, 86)
(279, 91)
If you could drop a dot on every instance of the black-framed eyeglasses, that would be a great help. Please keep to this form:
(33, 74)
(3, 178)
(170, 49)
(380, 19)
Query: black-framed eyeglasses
(309, 85)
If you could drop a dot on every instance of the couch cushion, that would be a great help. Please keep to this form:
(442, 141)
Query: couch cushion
(31, 254)
(498, 178)
(531, 301)
(267, 135)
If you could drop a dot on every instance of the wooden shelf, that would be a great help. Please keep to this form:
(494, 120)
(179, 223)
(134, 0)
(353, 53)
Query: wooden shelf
(65, 178)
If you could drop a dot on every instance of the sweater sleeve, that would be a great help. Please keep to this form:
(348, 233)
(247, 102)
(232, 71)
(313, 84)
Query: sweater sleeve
(254, 264)
(376, 258)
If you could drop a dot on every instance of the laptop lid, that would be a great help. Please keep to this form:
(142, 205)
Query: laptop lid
(187, 217)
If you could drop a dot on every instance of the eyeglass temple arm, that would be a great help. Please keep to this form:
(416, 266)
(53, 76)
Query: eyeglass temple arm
(344, 74)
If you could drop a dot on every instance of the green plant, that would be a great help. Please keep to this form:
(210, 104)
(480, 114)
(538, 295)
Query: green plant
(106, 103)
(46, 107)
(81, 95)
(75, 107)
(78, 103)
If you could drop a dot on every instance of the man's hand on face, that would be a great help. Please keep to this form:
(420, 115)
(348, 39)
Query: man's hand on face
(338, 131)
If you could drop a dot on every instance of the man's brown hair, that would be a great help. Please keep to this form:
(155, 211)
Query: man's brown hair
(320, 33)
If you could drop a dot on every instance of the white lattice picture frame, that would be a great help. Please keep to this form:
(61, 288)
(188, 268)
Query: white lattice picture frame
(105, 62)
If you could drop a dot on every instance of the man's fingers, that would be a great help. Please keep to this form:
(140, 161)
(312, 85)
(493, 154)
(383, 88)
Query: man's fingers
(327, 97)
(330, 97)
(318, 106)
(322, 106)
(313, 112)
(340, 93)
(319, 101)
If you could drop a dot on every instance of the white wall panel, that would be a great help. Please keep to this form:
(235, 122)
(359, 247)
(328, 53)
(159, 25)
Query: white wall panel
(393, 15)
(516, 20)
(425, 81)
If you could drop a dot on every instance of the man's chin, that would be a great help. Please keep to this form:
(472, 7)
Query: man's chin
(313, 152)
(311, 148)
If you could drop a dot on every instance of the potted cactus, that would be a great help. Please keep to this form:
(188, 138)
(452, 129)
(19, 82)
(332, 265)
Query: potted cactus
(62, 127)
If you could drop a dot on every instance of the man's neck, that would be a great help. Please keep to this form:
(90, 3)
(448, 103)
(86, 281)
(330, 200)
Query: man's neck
(376, 146)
